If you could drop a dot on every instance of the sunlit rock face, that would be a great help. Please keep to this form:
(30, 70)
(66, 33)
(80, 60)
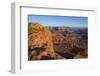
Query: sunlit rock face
(39, 37)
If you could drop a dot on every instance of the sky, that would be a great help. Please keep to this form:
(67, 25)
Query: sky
(66, 21)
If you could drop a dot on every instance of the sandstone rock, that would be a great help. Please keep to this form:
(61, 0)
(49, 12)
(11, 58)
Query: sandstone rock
(39, 36)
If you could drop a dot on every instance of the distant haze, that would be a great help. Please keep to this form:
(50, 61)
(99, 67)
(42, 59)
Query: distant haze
(66, 21)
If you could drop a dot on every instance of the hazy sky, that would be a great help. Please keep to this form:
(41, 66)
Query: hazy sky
(68, 21)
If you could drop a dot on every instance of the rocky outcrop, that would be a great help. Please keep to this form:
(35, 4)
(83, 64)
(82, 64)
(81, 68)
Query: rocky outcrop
(39, 37)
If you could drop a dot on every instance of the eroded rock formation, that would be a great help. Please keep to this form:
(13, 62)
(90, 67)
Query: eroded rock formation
(40, 37)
